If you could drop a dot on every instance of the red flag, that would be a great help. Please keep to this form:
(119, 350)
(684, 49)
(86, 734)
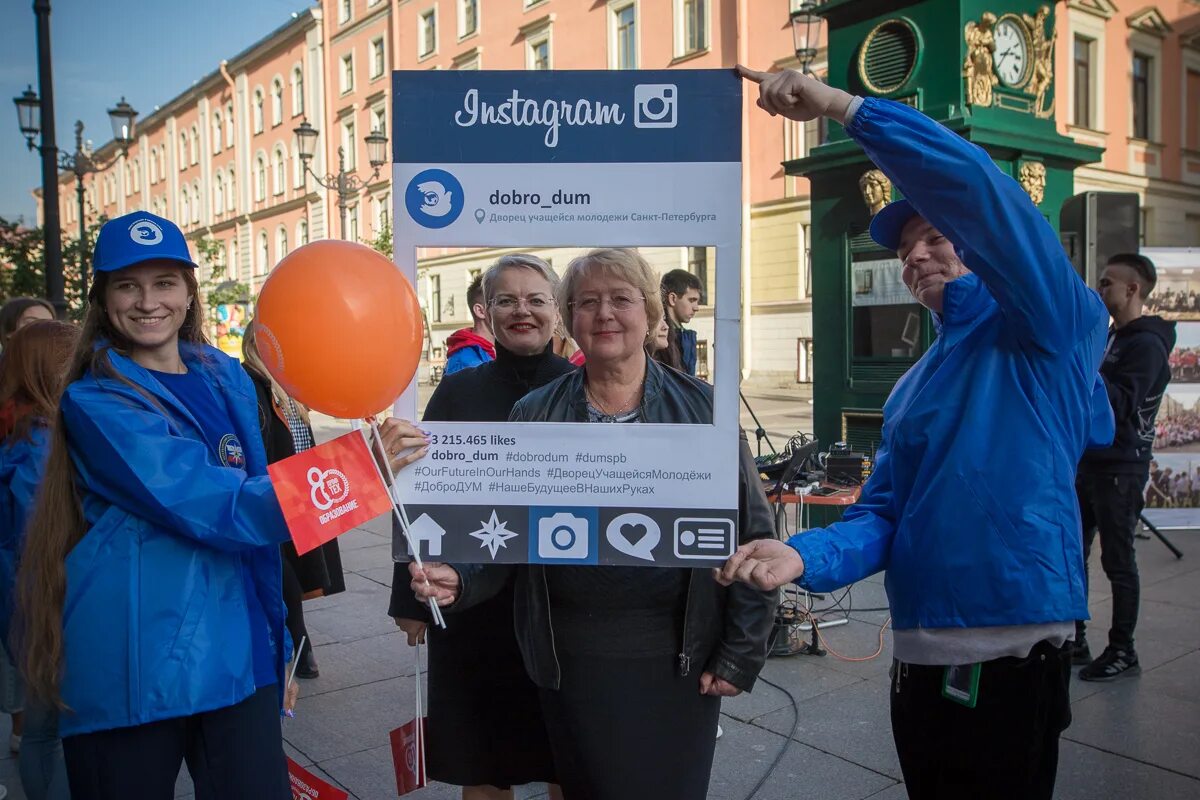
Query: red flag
(408, 756)
(329, 489)
(306, 786)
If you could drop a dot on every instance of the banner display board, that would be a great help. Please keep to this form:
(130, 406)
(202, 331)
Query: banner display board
(516, 160)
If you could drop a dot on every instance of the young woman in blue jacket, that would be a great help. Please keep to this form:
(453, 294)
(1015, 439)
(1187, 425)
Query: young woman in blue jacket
(31, 373)
(151, 580)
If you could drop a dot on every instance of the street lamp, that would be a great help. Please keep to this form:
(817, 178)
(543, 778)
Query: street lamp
(123, 118)
(806, 31)
(347, 185)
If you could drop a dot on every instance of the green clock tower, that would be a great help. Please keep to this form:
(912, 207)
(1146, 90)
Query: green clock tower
(985, 69)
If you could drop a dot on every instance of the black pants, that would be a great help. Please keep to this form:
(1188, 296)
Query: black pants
(293, 600)
(1004, 748)
(1112, 503)
(233, 752)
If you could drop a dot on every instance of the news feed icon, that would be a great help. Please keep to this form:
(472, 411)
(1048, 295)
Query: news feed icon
(701, 537)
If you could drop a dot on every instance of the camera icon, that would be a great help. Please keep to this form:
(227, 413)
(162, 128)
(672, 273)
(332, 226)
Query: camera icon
(563, 535)
(654, 105)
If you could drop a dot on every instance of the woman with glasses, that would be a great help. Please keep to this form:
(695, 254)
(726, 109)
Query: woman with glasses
(484, 730)
(631, 662)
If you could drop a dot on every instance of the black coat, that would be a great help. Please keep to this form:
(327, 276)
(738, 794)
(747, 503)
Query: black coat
(319, 569)
(725, 628)
(1136, 371)
(486, 393)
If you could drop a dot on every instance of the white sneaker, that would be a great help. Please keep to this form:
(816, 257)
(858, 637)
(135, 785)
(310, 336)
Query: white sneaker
(14, 744)
(720, 732)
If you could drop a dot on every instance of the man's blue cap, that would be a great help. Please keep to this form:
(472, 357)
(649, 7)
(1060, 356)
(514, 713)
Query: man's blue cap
(887, 225)
(137, 237)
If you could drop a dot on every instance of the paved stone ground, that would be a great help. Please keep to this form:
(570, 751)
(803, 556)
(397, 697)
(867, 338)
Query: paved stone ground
(1138, 738)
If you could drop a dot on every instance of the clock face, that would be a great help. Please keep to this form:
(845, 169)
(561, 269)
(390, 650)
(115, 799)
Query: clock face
(1012, 51)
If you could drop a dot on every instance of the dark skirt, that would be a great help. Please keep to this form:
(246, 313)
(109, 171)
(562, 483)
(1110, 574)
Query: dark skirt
(485, 723)
(630, 728)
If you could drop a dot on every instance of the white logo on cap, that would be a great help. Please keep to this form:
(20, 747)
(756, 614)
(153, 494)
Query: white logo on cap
(145, 232)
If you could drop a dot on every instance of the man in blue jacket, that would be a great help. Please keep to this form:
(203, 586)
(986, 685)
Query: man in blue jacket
(971, 506)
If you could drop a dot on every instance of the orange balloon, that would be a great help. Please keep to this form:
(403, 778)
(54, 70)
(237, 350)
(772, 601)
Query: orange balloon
(339, 326)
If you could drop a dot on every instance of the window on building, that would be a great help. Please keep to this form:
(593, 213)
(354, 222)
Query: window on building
(218, 194)
(258, 111)
(260, 179)
(698, 266)
(229, 125)
(379, 120)
(264, 254)
(435, 297)
(302, 233)
(345, 10)
(1141, 96)
(382, 211)
(346, 74)
(185, 206)
(1082, 102)
(281, 243)
(276, 102)
(537, 55)
(1191, 137)
(349, 145)
(278, 170)
(153, 165)
(427, 33)
(804, 360)
(231, 195)
(378, 61)
(624, 37)
(468, 17)
(194, 146)
(297, 92)
(183, 151)
(693, 22)
(352, 223)
(297, 166)
(196, 204)
(217, 132)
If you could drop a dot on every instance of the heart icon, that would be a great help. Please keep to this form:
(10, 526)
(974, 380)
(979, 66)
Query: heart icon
(634, 532)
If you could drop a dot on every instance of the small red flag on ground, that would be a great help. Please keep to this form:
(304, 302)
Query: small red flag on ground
(408, 755)
(328, 489)
(306, 786)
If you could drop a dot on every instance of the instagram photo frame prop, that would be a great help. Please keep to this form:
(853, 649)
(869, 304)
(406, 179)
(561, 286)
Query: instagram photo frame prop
(657, 155)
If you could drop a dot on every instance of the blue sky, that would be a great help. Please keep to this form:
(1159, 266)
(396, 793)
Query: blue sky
(145, 50)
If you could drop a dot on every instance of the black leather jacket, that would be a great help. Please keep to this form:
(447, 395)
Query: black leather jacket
(725, 630)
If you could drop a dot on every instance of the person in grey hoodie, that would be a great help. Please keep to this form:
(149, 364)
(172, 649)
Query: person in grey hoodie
(1111, 482)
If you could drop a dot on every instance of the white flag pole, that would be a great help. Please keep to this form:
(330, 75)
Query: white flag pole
(402, 517)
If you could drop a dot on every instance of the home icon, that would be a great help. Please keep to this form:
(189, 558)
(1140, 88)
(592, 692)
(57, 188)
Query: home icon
(425, 530)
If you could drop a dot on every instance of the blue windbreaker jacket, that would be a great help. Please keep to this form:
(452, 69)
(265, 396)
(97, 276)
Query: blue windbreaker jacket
(22, 462)
(971, 507)
(155, 620)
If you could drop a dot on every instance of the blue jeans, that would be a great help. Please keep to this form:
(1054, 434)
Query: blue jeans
(43, 770)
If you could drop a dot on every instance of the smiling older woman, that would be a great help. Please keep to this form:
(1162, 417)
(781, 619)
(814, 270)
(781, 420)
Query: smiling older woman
(627, 713)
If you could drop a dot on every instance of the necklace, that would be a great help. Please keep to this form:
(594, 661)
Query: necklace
(629, 403)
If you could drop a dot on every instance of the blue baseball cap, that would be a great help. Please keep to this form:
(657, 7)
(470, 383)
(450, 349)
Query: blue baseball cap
(137, 237)
(887, 225)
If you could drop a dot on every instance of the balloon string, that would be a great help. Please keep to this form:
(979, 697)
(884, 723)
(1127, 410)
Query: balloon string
(402, 517)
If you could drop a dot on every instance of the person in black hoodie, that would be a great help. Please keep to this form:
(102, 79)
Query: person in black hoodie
(485, 730)
(1111, 482)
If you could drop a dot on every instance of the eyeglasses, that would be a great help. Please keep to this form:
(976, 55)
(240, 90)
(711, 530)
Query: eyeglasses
(619, 303)
(507, 304)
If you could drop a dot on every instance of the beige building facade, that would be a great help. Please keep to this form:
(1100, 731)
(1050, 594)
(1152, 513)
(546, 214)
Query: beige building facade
(220, 158)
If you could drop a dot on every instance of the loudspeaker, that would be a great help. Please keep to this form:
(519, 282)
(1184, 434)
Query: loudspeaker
(1095, 226)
